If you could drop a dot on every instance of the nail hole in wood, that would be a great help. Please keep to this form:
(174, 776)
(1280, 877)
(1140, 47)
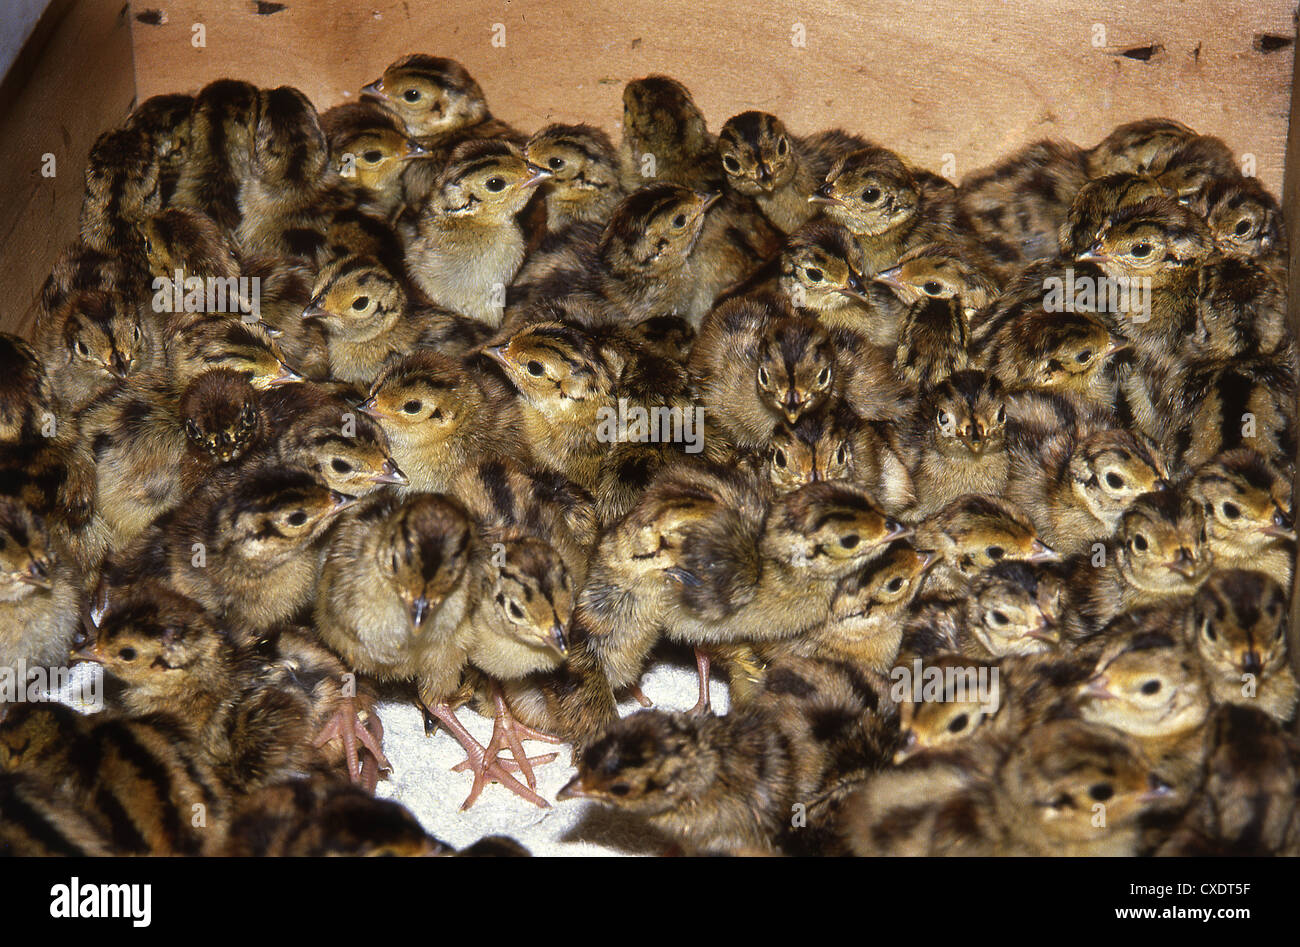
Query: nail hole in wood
(1270, 42)
(1143, 53)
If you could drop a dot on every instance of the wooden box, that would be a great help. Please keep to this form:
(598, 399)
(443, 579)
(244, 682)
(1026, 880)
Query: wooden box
(951, 85)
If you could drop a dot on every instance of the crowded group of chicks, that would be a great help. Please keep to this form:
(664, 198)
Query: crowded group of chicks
(384, 464)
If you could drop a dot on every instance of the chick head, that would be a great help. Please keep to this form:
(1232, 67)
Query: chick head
(757, 153)
(796, 367)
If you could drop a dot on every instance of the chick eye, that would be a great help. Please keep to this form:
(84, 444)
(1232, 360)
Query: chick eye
(895, 584)
(1001, 415)
(516, 612)
(778, 458)
(1114, 481)
(135, 333)
(1151, 687)
(850, 541)
(412, 406)
(1209, 632)
(535, 368)
(411, 95)
(814, 275)
(127, 654)
(871, 195)
(944, 418)
(361, 302)
(995, 552)
(782, 146)
(82, 349)
(931, 287)
(1140, 250)
(1231, 511)
(1242, 228)
(555, 163)
(1101, 792)
(340, 466)
(763, 378)
(679, 221)
(297, 519)
(620, 789)
(496, 184)
(1084, 357)
(731, 164)
(999, 618)
(841, 454)
(958, 723)
(373, 157)
(1140, 543)
(824, 376)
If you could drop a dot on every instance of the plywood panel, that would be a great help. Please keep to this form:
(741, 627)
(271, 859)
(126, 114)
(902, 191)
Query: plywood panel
(81, 82)
(968, 78)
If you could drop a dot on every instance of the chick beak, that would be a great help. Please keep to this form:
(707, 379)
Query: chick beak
(1158, 790)
(498, 354)
(1040, 552)
(928, 559)
(375, 88)
(414, 150)
(854, 288)
(792, 406)
(1251, 663)
(823, 196)
(1116, 346)
(117, 367)
(272, 332)
(38, 574)
(709, 199)
(1044, 632)
(1159, 485)
(896, 530)
(1183, 563)
(368, 408)
(1281, 527)
(911, 746)
(419, 611)
(94, 653)
(1097, 689)
(391, 473)
(314, 311)
(557, 641)
(535, 177)
(575, 789)
(287, 376)
(890, 277)
(1095, 254)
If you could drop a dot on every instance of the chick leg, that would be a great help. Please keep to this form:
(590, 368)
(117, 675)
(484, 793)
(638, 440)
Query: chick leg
(514, 733)
(482, 760)
(371, 767)
(702, 706)
(346, 725)
(641, 698)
